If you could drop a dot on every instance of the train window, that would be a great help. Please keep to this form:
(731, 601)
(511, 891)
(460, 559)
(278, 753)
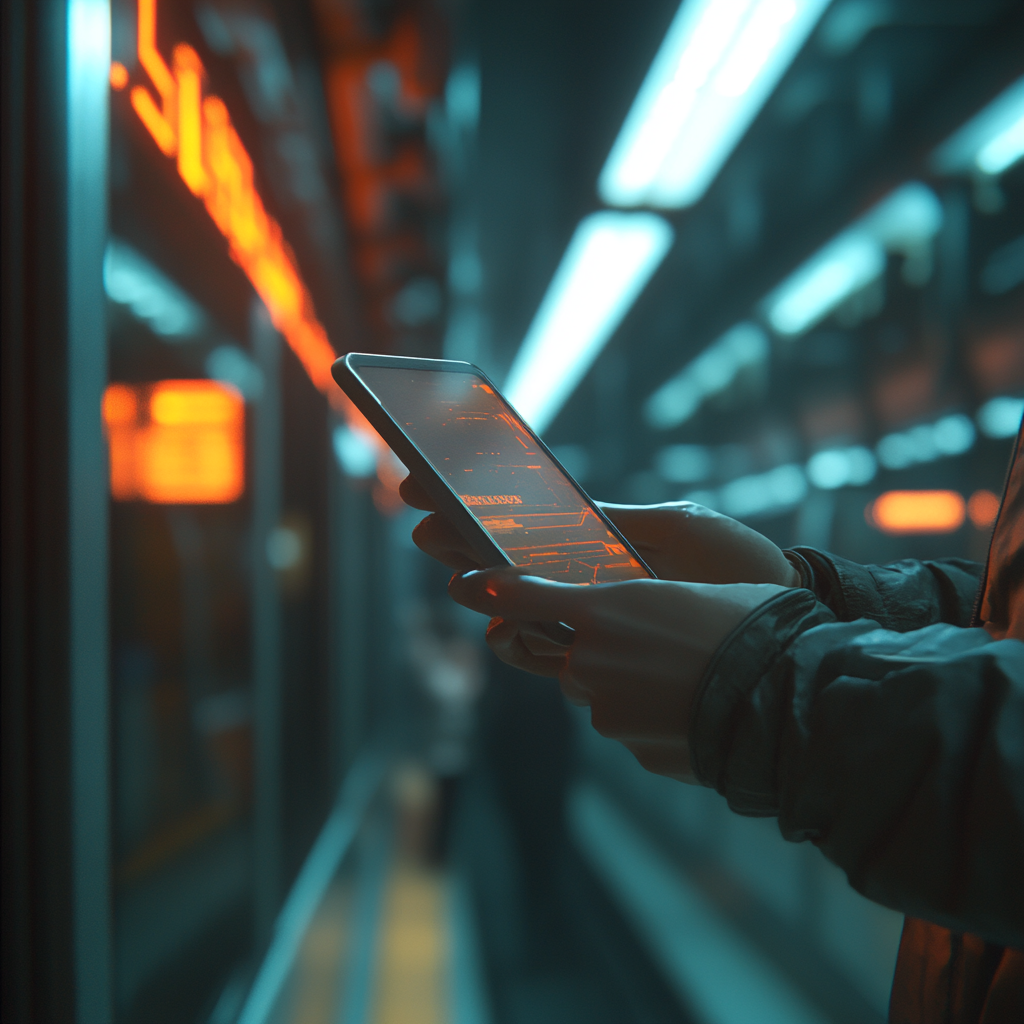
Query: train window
(223, 682)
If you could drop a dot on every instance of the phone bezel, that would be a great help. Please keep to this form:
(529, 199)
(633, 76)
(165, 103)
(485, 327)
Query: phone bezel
(345, 373)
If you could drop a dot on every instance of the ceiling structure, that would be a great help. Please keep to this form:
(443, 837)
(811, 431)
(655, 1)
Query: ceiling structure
(877, 87)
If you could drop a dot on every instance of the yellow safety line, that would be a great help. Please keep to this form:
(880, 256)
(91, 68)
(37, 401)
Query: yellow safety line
(411, 983)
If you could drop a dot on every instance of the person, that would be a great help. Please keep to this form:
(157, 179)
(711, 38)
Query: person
(876, 711)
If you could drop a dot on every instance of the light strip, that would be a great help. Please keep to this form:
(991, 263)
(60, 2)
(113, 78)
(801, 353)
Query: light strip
(743, 345)
(908, 512)
(905, 221)
(950, 435)
(217, 168)
(842, 268)
(716, 67)
(609, 260)
(1001, 416)
(757, 494)
(991, 141)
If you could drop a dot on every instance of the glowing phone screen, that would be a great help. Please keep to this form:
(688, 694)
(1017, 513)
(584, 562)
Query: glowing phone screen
(520, 497)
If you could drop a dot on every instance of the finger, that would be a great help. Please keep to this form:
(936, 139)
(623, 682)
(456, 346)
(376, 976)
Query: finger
(651, 526)
(539, 641)
(435, 536)
(503, 638)
(514, 595)
(413, 494)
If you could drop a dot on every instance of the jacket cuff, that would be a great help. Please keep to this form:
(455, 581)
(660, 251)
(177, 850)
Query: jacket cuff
(828, 578)
(739, 712)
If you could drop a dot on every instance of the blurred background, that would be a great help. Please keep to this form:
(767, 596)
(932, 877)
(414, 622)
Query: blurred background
(766, 255)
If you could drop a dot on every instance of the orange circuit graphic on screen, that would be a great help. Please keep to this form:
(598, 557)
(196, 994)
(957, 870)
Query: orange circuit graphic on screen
(518, 493)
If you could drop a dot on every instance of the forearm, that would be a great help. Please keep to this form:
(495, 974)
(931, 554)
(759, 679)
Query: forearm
(900, 755)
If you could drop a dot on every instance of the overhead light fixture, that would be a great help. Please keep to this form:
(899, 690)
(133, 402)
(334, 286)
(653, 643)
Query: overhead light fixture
(906, 218)
(841, 467)
(742, 346)
(845, 266)
(948, 436)
(757, 494)
(716, 67)
(1000, 417)
(905, 222)
(990, 142)
(609, 260)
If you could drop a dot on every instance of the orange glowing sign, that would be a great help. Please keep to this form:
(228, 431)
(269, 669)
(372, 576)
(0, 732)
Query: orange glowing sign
(903, 512)
(175, 442)
(214, 164)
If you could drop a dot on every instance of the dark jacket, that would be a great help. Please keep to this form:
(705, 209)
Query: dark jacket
(879, 713)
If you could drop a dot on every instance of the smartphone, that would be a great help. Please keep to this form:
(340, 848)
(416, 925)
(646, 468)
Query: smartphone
(486, 469)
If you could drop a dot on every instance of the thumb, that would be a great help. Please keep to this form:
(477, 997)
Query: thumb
(511, 595)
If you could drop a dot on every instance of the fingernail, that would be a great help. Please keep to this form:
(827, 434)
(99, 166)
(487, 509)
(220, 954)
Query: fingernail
(471, 583)
(465, 578)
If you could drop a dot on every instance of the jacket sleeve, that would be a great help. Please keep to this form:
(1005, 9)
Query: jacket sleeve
(901, 596)
(900, 754)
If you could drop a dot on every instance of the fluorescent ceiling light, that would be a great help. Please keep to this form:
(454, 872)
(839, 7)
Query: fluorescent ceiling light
(841, 467)
(1000, 417)
(951, 435)
(712, 371)
(905, 221)
(609, 260)
(843, 267)
(907, 218)
(716, 67)
(758, 494)
(764, 493)
(991, 142)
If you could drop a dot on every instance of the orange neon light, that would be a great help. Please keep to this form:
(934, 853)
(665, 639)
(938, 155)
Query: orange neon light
(176, 442)
(159, 74)
(155, 122)
(982, 509)
(903, 512)
(189, 71)
(118, 75)
(216, 167)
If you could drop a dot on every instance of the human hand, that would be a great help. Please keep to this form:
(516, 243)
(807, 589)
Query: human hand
(678, 540)
(640, 649)
(684, 541)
